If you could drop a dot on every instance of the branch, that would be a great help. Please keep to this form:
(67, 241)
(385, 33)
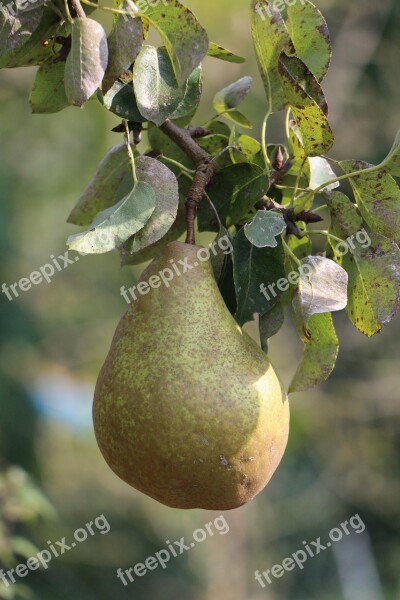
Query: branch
(204, 171)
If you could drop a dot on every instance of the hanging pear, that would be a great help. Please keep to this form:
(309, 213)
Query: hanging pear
(187, 407)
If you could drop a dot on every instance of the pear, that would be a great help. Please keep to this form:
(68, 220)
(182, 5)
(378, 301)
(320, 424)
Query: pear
(187, 407)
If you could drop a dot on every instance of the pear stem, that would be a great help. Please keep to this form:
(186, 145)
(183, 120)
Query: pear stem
(76, 5)
(202, 177)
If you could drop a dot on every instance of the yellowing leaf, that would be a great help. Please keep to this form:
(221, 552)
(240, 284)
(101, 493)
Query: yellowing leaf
(321, 348)
(309, 32)
(270, 37)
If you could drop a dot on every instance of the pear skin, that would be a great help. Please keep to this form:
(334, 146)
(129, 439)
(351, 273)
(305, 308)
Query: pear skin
(187, 407)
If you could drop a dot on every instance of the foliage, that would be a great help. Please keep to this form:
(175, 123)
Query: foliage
(266, 198)
(20, 502)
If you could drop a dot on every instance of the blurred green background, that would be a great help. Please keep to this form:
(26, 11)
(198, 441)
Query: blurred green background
(343, 453)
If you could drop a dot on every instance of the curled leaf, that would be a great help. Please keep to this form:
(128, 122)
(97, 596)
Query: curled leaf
(232, 95)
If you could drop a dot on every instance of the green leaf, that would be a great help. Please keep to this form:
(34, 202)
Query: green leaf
(162, 143)
(270, 323)
(157, 91)
(220, 258)
(378, 198)
(374, 284)
(345, 217)
(246, 149)
(237, 117)
(373, 266)
(183, 36)
(124, 44)
(392, 161)
(234, 191)
(100, 192)
(270, 37)
(232, 95)
(18, 25)
(86, 62)
(48, 92)
(309, 33)
(121, 101)
(301, 247)
(23, 547)
(253, 270)
(16, 29)
(314, 128)
(302, 75)
(217, 51)
(21, 36)
(175, 232)
(216, 144)
(165, 187)
(322, 287)
(263, 230)
(114, 225)
(188, 106)
(320, 352)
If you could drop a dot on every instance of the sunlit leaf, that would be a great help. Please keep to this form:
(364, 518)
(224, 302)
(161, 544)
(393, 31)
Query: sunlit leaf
(321, 172)
(246, 149)
(264, 229)
(114, 225)
(322, 287)
(237, 117)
